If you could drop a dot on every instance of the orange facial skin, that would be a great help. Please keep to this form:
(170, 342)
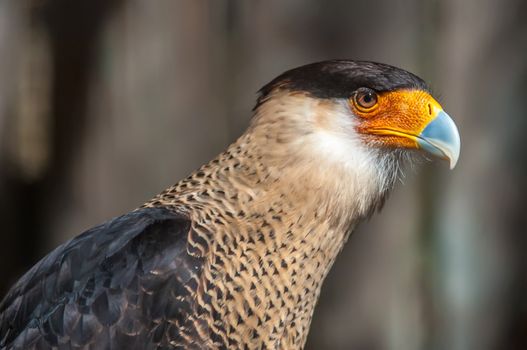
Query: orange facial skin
(398, 117)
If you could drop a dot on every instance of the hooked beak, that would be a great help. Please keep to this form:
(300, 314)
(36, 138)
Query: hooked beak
(412, 119)
(440, 138)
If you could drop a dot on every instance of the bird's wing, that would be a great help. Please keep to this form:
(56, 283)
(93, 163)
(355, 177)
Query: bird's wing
(117, 283)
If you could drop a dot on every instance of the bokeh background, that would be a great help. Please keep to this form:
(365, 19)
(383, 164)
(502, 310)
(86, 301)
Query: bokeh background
(105, 103)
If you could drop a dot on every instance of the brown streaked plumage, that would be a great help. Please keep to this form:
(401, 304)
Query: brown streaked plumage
(234, 255)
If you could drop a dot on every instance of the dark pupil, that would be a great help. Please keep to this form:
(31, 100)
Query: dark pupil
(367, 98)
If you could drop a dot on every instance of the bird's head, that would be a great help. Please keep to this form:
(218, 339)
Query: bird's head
(356, 115)
(384, 106)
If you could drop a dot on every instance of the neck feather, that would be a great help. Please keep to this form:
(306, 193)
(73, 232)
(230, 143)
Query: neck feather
(285, 199)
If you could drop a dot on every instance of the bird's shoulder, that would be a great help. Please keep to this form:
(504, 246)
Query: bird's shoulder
(118, 279)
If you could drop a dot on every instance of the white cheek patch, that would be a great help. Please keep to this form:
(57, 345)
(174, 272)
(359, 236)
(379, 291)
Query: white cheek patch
(342, 151)
(339, 143)
(352, 162)
(363, 173)
(322, 137)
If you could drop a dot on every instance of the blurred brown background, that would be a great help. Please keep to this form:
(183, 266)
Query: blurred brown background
(105, 103)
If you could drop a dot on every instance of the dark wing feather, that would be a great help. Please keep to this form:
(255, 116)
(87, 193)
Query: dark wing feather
(116, 286)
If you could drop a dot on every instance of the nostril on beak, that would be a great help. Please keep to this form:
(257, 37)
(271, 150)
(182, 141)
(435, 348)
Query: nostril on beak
(430, 109)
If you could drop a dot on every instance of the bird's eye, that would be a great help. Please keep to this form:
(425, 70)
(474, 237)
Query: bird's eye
(365, 99)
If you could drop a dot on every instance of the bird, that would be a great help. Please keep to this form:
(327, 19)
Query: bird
(234, 255)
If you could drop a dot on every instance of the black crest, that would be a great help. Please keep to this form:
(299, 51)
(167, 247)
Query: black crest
(340, 78)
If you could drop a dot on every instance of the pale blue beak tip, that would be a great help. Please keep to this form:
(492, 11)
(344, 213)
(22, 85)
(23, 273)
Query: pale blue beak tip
(441, 139)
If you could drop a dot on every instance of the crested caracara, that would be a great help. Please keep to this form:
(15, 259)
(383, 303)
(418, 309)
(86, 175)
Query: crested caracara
(234, 255)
